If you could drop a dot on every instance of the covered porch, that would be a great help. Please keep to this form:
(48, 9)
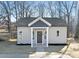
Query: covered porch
(39, 36)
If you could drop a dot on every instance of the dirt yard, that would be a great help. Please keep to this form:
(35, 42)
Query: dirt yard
(73, 49)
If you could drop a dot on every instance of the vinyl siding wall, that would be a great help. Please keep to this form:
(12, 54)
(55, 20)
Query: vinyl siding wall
(52, 35)
(25, 37)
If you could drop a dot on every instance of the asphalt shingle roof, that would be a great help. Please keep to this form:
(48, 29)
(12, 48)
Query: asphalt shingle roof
(23, 22)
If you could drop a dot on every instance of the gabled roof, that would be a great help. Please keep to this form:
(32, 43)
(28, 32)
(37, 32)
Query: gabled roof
(41, 19)
(24, 22)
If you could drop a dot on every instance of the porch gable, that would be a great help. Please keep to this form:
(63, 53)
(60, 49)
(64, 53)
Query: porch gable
(39, 21)
(39, 24)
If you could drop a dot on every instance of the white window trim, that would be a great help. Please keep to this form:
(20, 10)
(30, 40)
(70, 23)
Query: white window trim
(31, 23)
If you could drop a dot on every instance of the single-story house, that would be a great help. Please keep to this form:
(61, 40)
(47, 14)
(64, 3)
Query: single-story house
(41, 31)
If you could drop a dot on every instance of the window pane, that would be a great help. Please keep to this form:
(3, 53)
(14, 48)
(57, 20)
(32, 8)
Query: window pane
(57, 33)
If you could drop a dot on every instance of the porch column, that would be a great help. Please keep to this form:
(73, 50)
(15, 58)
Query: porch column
(31, 37)
(47, 37)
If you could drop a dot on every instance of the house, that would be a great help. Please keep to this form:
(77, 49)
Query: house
(41, 31)
(3, 26)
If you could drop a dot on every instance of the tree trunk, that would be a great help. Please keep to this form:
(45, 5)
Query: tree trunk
(9, 26)
(68, 27)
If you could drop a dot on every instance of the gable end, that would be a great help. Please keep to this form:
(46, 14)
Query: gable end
(41, 19)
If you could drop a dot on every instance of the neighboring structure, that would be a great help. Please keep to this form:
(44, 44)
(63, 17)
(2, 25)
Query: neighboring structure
(41, 31)
(3, 26)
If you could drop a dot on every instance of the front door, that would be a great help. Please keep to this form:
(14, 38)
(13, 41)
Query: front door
(39, 36)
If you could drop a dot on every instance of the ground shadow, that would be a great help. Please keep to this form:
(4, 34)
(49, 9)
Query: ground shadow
(54, 48)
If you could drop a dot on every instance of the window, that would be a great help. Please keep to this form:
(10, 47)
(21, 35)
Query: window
(20, 32)
(57, 33)
(20, 35)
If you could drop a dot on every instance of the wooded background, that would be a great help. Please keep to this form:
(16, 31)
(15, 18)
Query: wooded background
(11, 11)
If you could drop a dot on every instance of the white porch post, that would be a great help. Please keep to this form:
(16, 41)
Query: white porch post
(47, 36)
(31, 37)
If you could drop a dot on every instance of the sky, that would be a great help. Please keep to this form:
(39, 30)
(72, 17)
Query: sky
(39, 0)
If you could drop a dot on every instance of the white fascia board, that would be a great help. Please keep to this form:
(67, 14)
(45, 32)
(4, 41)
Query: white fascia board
(34, 21)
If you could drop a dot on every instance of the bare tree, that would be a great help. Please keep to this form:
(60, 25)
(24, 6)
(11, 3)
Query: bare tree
(41, 10)
(68, 7)
(77, 26)
(7, 12)
(59, 8)
(16, 10)
(51, 10)
(23, 8)
(6, 7)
